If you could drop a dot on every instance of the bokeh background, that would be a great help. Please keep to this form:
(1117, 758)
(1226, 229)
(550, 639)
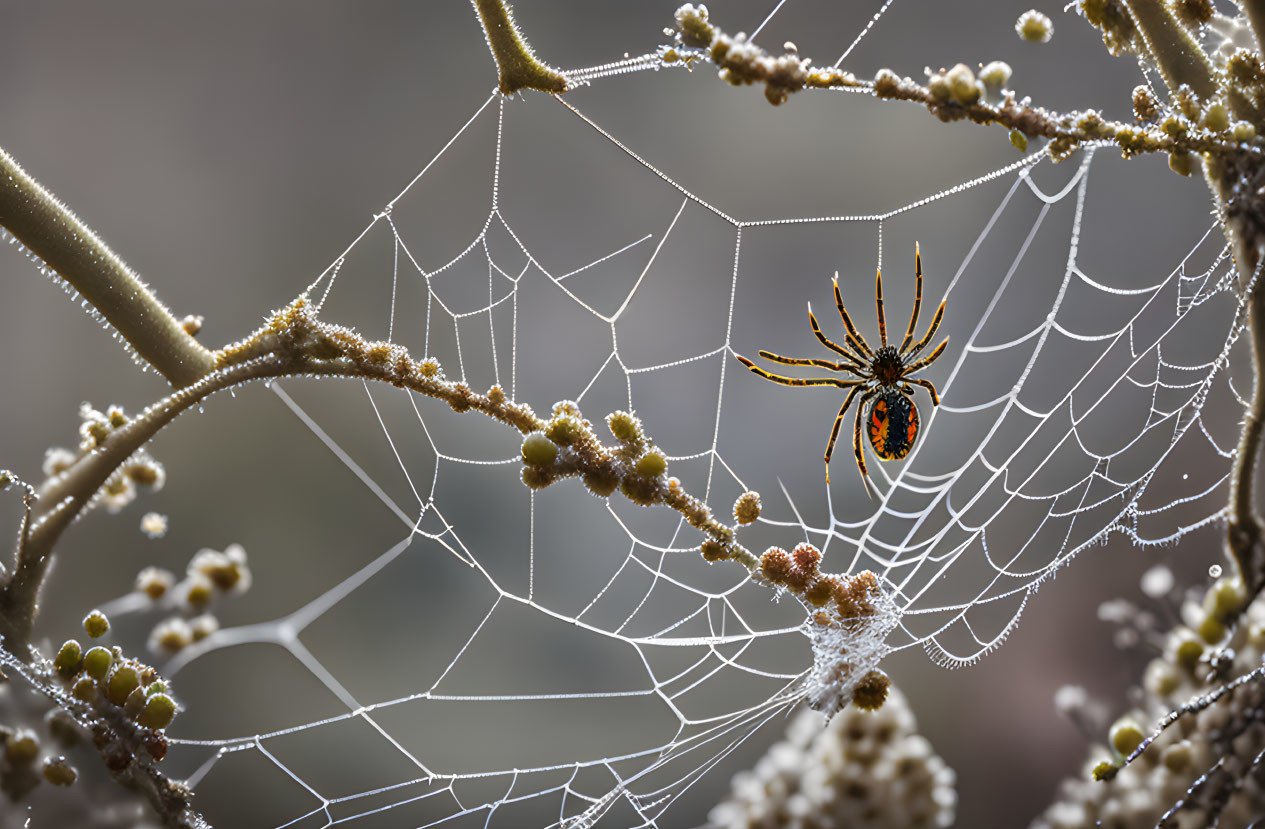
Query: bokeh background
(231, 151)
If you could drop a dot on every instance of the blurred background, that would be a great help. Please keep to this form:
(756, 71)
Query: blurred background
(230, 152)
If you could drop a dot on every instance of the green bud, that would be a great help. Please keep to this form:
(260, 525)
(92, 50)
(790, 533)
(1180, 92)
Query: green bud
(1224, 599)
(624, 426)
(96, 624)
(68, 659)
(1177, 756)
(1180, 163)
(962, 84)
(59, 772)
(122, 682)
(134, 703)
(564, 430)
(158, 712)
(1019, 140)
(1217, 118)
(22, 746)
(1188, 652)
(1125, 736)
(652, 464)
(539, 450)
(96, 662)
(84, 689)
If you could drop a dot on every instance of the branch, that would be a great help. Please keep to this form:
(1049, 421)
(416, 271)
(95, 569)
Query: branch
(295, 343)
(518, 66)
(1179, 57)
(1255, 11)
(67, 246)
(1244, 533)
(65, 497)
(128, 761)
(954, 96)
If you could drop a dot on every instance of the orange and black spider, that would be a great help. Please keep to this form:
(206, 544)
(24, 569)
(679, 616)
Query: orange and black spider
(883, 376)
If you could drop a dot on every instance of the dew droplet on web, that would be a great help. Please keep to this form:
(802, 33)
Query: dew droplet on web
(1214, 571)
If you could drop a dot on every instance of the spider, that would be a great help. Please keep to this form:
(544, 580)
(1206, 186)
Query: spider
(883, 375)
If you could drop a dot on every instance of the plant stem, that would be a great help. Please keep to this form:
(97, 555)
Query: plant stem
(54, 234)
(1179, 57)
(518, 66)
(1244, 531)
(1255, 11)
(65, 499)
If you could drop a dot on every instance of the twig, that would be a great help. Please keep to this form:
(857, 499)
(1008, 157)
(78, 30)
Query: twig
(743, 62)
(518, 66)
(1255, 11)
(1244, 534)
(67, 246)
(1179, 57)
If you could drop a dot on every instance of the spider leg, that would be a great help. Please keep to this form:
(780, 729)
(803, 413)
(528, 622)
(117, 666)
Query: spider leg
(798, 381)
(913, 318)
(931, 332)
(926, 361)
(878, 301)
(834, 431)
(802, 361)
(831, 344)
(926, 384)
(857, 341)
(856, 442)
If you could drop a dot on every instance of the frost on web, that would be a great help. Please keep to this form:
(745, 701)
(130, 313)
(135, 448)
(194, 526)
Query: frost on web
(518, 658)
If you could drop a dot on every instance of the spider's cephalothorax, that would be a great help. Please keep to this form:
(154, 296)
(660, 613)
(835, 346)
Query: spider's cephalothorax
(883, 375)
(887, 366)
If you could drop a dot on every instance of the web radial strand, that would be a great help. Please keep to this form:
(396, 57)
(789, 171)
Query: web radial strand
(585, 638)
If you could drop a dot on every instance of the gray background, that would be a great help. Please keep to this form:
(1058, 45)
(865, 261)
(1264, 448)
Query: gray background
(230, 151)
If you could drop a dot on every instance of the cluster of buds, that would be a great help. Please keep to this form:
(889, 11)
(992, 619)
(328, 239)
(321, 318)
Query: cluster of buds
(799, 571)
(119, 689)
(741, 62)
(568, 445)
(961, 84)
(139, 471)
(211, 574)
(22, 768)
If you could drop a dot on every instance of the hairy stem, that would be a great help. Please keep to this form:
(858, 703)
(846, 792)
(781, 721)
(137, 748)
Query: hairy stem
(1255, 11)
(54, 234)
(1179, 57)
(1244, 535)
(518, 66)
(1244, 532)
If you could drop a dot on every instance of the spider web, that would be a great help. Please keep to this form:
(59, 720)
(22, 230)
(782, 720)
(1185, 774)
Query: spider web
(517, 658)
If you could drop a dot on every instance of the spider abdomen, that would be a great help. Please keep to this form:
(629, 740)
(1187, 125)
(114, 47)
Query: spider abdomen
(893, 425)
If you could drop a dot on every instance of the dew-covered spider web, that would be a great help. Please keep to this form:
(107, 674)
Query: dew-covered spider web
(503, 657)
